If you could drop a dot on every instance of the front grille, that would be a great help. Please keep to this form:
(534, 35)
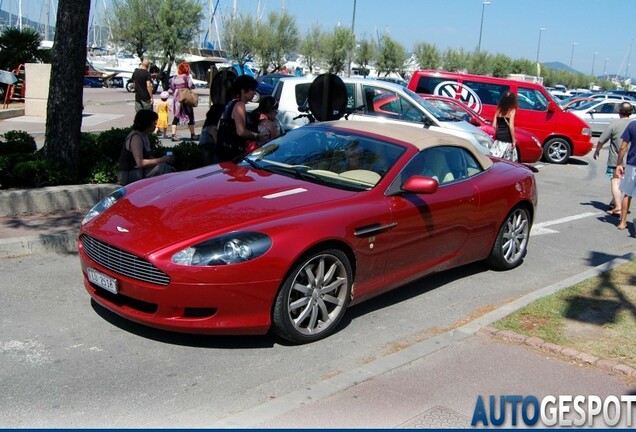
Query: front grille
(121, 262)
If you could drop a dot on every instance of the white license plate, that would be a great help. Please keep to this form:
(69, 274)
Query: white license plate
(102, 280)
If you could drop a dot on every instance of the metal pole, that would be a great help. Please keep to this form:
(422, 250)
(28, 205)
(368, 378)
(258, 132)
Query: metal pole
(572, 55)
(605, 68)
(541, 30)
(593, 60)
(481, 26)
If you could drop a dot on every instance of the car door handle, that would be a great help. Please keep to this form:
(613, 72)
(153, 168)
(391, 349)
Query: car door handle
(373, 229)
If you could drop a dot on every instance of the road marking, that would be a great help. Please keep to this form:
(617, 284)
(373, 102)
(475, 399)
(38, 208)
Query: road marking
(541, 228)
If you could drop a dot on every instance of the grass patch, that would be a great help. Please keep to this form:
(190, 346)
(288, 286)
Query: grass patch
(596, 316)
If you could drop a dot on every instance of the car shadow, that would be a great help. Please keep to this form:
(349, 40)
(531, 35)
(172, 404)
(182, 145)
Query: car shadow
(579, 162)
(184, 339)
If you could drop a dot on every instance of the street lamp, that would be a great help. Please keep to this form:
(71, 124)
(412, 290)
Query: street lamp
(541, 30)
(572, 55)
(593, 60)
(605, 68)
(481, 27)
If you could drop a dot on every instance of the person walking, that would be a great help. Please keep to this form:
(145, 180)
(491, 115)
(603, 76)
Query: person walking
(143, 86)
(504, 124)
(162, 111)
(627, 173)
(183, 113)
(613, 134)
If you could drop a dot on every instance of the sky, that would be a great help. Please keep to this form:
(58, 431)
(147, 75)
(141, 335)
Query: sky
(583, 33)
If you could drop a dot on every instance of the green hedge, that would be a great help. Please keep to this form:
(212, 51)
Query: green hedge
(23, 166)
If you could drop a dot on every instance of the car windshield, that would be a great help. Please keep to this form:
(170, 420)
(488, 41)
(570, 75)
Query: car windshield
(432, 109)
(587, 105)
(328, 156)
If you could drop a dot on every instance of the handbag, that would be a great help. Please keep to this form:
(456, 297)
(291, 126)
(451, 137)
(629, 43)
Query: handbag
(188, 97)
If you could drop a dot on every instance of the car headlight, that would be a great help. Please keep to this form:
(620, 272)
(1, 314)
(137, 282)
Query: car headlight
(101, 206)
(587, 131)
(230, 248)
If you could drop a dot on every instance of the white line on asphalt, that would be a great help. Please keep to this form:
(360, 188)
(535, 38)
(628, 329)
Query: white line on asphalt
(541, 228)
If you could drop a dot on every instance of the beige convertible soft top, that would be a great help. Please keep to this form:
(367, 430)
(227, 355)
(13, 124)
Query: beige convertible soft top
(419, 137)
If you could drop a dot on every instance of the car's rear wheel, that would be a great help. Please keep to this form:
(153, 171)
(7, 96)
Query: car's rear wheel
(511, 244)
(130, 86)
(557, 150)
(314, 297)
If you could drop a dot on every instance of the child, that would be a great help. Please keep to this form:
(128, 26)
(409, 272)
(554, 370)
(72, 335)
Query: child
(162, 110)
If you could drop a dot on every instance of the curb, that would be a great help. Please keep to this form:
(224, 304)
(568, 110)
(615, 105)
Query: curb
(569, 353)
(47, 243)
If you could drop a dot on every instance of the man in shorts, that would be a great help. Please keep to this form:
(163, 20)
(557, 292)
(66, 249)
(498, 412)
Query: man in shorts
(143, 86)
(628, 172)
(613, 134)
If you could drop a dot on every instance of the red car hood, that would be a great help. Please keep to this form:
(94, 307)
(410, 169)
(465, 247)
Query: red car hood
(198, 204)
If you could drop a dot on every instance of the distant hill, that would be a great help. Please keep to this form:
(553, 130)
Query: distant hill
(560, 67)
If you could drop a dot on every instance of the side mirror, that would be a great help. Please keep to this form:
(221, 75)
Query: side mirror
(420, 185)
(552, 106)
(474, 122)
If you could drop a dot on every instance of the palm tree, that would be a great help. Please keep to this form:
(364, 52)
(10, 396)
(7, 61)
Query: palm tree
(20, 46)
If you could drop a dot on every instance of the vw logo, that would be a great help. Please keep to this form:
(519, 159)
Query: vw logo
(451, 89)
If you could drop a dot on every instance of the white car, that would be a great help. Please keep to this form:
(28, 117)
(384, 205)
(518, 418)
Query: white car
(377, 101)
(600, 113)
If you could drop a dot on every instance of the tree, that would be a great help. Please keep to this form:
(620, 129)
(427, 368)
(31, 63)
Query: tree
(365, 53)
(502, 66)
(335, 48)
(454, 60)
(135, 25)
(480, 63)
(427, 55)
(238, 38)
(65, 104)
(274, 40)
(310, 46)
(177, 28)
(391, 56)
(20, 46)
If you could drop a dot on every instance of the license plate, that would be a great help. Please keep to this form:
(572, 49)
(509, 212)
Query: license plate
(102, 280)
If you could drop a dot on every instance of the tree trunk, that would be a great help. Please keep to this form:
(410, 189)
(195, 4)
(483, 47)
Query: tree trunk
(66, 90)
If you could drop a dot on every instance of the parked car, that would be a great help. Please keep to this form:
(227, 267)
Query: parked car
(279, 239)
(403, 107)
(266, 85)
(600, 113)
(561, 133)
(394, 80)
(528, 149)
(573, 102)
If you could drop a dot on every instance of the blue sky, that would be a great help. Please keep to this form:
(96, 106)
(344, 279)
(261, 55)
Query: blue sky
(574, 29)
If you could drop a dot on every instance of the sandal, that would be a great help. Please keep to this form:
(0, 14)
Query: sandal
(174, 139)
(614, 212)
(194, 137)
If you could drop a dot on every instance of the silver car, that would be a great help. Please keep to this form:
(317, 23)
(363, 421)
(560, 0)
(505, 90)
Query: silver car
(599, 113)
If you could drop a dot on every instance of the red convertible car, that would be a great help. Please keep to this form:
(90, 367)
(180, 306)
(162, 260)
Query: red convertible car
(528, 148)
(290, 235)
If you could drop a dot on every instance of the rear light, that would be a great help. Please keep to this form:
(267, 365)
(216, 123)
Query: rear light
(587, 131)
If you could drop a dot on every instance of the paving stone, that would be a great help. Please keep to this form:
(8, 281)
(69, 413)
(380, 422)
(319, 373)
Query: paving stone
(569, 352)
(587, 358)
(606, 364)
(437, 417)
(624, 369)
(487, 330)
(534, 341)
(553, 348)
(511, 336)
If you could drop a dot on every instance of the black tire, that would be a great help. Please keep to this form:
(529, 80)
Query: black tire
(557, 150)
(130, 86)
(511, 244)
(313, 298)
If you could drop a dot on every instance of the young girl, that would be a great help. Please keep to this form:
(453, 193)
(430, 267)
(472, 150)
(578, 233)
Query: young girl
(162, 111)
(264, 118)
(504, 124)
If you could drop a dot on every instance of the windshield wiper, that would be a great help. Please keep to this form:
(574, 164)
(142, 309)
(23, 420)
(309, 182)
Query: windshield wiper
(251, 162)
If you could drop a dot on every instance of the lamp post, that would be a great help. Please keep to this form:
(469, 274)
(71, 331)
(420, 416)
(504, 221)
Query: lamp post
(572, 55)
(593, 60)
(541, 30)
(481, 26)
(605, 67)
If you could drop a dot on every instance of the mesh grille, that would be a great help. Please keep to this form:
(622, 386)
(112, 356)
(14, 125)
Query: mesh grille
(122, 262)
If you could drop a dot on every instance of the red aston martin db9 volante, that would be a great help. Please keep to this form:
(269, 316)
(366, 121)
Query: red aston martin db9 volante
(289, 236)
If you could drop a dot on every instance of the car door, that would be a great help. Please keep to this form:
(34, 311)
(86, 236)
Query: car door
(600, 116)
(432, 230)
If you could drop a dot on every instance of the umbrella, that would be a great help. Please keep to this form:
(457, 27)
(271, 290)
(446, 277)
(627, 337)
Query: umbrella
(7, 77)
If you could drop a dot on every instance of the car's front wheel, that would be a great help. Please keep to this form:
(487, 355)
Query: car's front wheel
(511, 244)
(557, 150)
(313, 298)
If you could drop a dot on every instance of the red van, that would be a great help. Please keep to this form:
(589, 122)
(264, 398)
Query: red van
(562, 134)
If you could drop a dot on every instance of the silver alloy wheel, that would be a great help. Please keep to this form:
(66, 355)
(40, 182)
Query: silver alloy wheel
(318, 294)
(557, 150)
(515, 236)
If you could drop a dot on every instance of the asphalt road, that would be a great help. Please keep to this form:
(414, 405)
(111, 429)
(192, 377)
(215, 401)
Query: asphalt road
(66, 362)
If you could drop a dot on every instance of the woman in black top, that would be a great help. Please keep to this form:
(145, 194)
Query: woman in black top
(504, 121)
(135, 160)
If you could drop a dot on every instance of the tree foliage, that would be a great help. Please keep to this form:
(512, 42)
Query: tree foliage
(310, 46)
(365, 52)
(335, 48)
(65, 102)
(391, 56)
(177, 28)
(20, 46)
(238, 38)
(427, 55)
(275, 39)
(134, 24)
